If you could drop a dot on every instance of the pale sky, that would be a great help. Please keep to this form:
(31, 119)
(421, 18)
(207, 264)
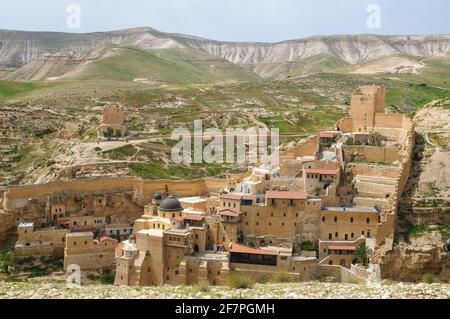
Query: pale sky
(232, 20)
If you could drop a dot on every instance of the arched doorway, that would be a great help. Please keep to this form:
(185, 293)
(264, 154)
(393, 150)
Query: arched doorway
(196, 248)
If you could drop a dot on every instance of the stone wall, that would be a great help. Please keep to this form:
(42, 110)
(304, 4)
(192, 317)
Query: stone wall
(371, 154)
(122, 198)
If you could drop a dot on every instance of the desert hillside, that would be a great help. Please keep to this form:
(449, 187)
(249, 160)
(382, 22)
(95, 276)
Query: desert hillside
(19, 48)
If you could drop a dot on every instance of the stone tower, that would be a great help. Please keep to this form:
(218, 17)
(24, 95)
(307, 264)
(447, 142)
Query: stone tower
(366, 102)
(113, 121)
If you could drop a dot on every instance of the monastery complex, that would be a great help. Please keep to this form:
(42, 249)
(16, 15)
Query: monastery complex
(332, 194)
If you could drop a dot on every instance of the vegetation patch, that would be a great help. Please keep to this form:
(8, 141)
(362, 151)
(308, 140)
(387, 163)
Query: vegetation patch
(121, 153)
(240, 281)
(282, 278)
(417, 230)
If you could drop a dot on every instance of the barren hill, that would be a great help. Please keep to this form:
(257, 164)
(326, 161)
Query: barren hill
(17, 48)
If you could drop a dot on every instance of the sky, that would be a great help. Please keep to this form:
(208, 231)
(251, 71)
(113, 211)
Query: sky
(232, 20)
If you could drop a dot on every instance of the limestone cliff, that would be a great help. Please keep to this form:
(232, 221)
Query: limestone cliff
(18, 48)
(409, 262)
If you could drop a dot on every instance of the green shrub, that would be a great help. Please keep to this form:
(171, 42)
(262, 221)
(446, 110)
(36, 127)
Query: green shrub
(6, 260)
(203, 286)
(307, 246)
(430, 278)
(350, 141)
(282, 278)
(241, 281)
(37, 271)
(107, 277)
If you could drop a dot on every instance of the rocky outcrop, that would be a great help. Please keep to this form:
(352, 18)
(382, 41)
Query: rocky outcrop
(409, 262)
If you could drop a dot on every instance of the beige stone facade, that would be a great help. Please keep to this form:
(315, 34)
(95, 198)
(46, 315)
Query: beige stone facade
(89, 254)
(48, 242)
(113, 120)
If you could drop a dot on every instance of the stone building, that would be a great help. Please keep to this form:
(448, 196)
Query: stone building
(156, 254)
(48, 242)
(88, 253)
(113, 121)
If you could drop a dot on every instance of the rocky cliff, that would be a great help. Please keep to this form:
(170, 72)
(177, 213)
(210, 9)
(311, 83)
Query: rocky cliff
(411, 261)
(18, 48)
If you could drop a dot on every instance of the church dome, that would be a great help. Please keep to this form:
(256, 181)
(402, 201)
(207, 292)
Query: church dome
(157, 196)
(170, 204)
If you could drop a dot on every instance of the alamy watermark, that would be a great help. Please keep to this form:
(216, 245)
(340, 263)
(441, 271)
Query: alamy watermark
(233, 146)
(73, 279)
(374, 19)
(73, 20)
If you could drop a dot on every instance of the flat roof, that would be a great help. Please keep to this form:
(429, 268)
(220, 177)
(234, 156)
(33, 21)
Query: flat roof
(286, 195)
(80, 234)
(341, 247)
(117, 226)
(230, 196)
(322, 171)
(355, 209)
(192, 200)
(152, 232)
(178, 231)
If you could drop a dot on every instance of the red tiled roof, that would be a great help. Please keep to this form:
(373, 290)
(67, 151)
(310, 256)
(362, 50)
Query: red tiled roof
(194, 218)
(63, 222)
(235, 248)
(229, 212)
(342, 247)
(286, 195)
(189, 217)
(322, 171)
(249, 197)
(326, 135)
(107, 238)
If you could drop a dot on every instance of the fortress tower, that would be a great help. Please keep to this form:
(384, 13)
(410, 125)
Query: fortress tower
(366, 102)
(113, 121)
